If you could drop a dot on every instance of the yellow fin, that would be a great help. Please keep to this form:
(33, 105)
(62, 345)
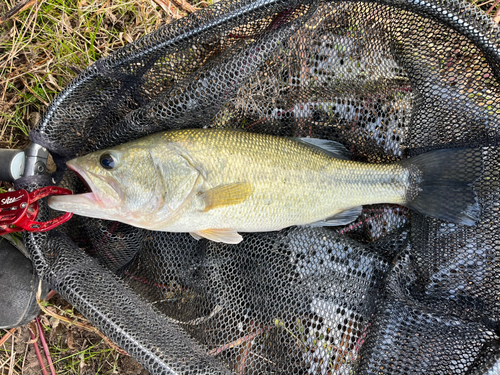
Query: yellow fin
(226, 195)
(219, 235)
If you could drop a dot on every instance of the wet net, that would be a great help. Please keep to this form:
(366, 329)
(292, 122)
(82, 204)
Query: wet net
(394, 292)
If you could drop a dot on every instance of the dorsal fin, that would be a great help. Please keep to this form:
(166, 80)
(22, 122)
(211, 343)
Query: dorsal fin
(334, 149)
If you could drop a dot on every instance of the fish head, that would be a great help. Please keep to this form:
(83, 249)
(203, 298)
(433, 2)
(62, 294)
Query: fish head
(122, 185)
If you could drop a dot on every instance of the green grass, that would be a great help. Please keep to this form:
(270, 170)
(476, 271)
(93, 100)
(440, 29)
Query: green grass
(71, 362)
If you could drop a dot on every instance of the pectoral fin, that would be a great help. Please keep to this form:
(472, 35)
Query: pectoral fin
(226, 195)
(342, 218)
(219, 235)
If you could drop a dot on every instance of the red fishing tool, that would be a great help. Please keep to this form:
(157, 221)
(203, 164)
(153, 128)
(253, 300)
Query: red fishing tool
(19, 209)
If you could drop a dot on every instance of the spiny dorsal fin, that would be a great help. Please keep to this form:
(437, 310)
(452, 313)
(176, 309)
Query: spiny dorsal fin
(342, 218)
(334, 149)
(219, 235)
(226, 195)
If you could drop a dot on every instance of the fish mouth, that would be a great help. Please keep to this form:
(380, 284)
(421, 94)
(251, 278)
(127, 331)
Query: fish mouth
(84, 203)
(108, 197)
(95, 203)
(105, 191)
(80, 173)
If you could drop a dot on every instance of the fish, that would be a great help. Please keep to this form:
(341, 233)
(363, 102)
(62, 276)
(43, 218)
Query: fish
(218, 183)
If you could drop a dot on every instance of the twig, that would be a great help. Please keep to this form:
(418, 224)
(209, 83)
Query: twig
(45, 346)
(7, 335)
(17, 9)
(88, 327)
(37, 352)
(51, 294)
(202, 319)
(281, 324)
(238, 342)
(483, 3)
(185, 6)
(199, 320)
(6, 84)
(4, 106)
(493, 6)
(203, 4)
(12, 357)
(165, 5)
(33, 91)
(263, 358)
(4, 363)
(244, 352)
(25, 355)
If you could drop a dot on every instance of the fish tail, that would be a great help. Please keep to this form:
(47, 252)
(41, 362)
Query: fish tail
(442, 184)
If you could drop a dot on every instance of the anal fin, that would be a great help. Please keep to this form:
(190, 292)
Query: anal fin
(342, 218)
(219, 235)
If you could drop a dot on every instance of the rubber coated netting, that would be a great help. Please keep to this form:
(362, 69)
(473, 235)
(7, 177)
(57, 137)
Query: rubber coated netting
(395, 292)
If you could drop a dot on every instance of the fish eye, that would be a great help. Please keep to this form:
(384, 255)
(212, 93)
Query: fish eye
(108, 161)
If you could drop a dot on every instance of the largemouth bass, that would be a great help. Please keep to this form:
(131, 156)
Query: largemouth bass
(215, 183)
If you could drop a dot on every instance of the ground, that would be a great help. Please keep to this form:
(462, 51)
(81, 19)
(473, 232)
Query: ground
(73, 350)
(43, 45)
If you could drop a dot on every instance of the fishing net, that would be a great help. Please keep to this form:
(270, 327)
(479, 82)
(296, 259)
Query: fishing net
(394, 292)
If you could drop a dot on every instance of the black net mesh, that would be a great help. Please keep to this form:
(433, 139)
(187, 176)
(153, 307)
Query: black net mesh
(395, 292)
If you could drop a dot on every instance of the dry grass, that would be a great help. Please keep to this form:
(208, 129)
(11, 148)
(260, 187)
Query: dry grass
(47, 44)
(74, 350)
(490, 7)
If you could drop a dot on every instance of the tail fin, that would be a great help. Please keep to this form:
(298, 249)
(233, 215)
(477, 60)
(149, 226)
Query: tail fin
(441, 184)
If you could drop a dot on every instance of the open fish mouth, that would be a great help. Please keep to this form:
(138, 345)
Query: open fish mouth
(100, 201)
(87, 181)
(82, 204)
(81, 176)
